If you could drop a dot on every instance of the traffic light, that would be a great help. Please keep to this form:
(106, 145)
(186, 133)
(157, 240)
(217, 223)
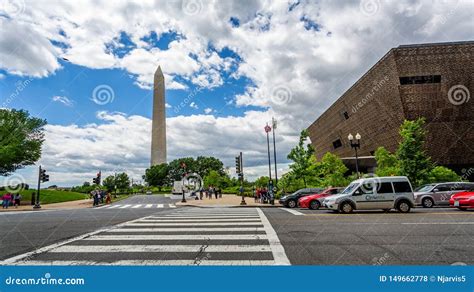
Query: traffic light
(238, 166)
(96, 180)
(43, 176)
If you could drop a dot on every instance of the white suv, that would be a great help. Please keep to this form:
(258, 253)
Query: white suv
(374, 193)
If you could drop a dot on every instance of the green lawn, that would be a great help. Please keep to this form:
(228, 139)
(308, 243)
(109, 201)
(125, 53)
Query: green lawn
(52, 196)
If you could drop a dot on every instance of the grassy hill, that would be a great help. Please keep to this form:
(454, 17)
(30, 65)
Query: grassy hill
(51, 196)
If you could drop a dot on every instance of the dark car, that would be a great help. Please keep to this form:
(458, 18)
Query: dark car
(291, 200)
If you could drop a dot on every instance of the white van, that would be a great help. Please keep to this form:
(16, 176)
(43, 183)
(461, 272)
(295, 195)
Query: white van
(374, 193)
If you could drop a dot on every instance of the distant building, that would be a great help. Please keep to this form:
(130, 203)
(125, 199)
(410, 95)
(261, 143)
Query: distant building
(434, 81)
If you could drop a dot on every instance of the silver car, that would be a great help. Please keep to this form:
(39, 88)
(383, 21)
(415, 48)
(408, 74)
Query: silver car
(439, 194)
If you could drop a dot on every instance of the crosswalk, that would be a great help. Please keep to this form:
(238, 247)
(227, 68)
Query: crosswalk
(137, 206)
(187, 236)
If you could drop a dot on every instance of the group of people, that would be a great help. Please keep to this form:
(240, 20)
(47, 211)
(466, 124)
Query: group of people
(210, 192)
(10, 199)
(261, 195)
(98, 197)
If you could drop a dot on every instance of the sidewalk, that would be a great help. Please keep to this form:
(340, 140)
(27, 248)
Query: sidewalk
(225, 201)
(78, 204)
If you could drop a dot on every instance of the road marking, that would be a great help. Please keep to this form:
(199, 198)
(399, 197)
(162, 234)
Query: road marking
(151, 229)
(193, 224)
(172, 206)
(202, 262)
(137, 206)
(148, 205)
(277, 249)
(114, 206)
(160, 248)
(294, 212)
(125, 206)
(181, 237)
(160, 206)
(200, 220)
(207, 217)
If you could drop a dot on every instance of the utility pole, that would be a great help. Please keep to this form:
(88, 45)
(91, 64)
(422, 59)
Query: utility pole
(42, 177)
(274, 125)
(239, 169)
(267, 130)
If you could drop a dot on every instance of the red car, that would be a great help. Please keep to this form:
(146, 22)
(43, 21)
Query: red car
(313, 202)
(462, 200)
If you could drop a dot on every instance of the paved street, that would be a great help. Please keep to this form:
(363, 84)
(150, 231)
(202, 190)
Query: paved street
(236, 236)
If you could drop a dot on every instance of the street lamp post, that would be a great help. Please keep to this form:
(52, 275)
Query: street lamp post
(355, 146)
(274, 125)
(267, 130)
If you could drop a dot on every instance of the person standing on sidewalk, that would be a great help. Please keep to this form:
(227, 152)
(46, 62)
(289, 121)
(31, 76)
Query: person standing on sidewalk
(200, 194)
(17, 199)
(6, 200)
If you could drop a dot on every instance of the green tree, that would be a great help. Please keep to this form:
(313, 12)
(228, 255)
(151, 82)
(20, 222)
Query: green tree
(109, 183)
(387, 163)
(122, 181)
(301, 156)
(332, 170)
(442, 174)
(21, 138)
(180, 166)
(157, 175)
(205, 164)
(262, 181)
(412, 159)
(214, 178)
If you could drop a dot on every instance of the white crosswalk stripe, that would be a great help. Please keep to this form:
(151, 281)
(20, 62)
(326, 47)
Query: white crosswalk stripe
(136, 206)
(214, 236)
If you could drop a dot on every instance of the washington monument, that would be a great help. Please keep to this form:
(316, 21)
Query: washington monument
(158, 127)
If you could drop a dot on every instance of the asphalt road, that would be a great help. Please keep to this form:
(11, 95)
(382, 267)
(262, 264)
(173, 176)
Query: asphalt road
(25, 231)
(150, 230)
(438, 236)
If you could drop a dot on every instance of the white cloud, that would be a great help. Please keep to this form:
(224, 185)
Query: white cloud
(167, 105)
(208, 110)
(193, 105)
(63, 99)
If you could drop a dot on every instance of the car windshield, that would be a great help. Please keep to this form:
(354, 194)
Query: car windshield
(349, 188)
(425, 188)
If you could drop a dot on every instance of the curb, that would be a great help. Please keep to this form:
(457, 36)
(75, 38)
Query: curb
(227, 206)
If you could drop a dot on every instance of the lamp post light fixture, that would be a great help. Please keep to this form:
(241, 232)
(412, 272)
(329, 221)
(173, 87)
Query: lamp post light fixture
(355, 145)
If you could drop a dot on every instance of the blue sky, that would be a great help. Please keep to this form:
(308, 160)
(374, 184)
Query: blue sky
(229, 68)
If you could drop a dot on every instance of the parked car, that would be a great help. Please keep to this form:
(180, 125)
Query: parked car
(315, 201)
(291, 200)
(439, 194)
(462, 200)
(374, 193)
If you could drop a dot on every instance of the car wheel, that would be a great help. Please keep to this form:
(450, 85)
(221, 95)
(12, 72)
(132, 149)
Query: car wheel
(462, 209)
(403, 206)
(346, 208)
(427, 203)
(291, 204)
(314, 205)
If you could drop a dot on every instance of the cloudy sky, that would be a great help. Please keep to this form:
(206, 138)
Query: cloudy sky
(87, 67)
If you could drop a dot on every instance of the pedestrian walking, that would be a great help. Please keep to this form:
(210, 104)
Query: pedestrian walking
(17, 199)
(6, 200)
(108, 198)
(200, 194)
(216, 193)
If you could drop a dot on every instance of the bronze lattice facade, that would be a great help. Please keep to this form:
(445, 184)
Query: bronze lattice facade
(434, 81)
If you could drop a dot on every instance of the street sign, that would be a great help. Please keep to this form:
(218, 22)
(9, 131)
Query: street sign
(268, 129)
